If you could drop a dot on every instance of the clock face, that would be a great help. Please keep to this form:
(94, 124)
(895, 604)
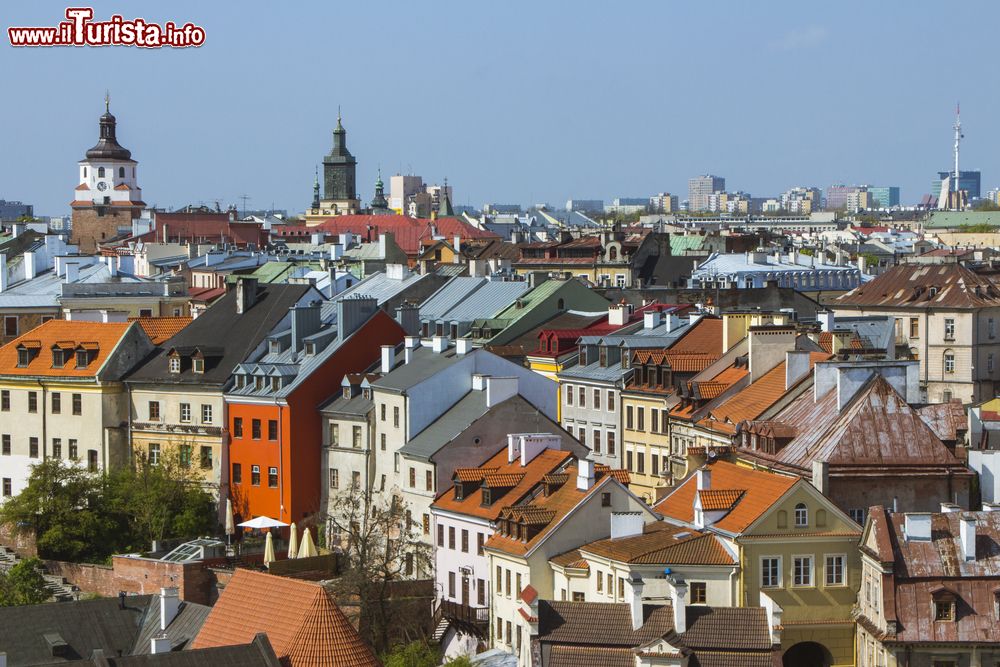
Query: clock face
(102, 186)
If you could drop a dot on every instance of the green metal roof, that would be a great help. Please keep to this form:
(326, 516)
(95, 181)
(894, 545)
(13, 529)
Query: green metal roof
(679, 243)
(949, 219)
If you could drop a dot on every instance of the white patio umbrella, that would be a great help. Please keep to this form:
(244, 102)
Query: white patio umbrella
(263, 522)
(293, 542)
(307, 549)
(269, 549)
(230, 522)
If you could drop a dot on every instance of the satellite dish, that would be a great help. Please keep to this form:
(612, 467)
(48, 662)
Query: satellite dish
(712, 455)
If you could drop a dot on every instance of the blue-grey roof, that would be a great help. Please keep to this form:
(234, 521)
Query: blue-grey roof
(451, 294)
(44, 290)
(377, 286)
(424, 363)
(736, 263)
(656, 337)
(878, 331)
(181, 630)
(455, 419)
(492, 297)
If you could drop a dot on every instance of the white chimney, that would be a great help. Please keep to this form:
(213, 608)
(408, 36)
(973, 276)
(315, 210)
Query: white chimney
(679, 604)
(672, 322)
(499, 389)
(651, 319)
(617, 314)
(693, 318)
(991, 507)
(967, 523)
(949, 508)
(388, 357)
(917, 526)
(30, 265)
(463, 345)
(159, 644)
(336, 251)
(458, 243)
(796, 367)
(170, 604)
(584, 475)
(439, 344)
(626, 524)
(410, 344)
(381, 246)
(826, 320)
(635, 604)
(703, 479)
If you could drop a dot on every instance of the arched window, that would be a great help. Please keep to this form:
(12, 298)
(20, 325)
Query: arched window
(100, 172)
(613, 253)
(801, 516)
(561, 304)
(121, 172)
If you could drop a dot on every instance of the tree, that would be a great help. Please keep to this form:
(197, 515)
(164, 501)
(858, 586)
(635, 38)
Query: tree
(381, 546)
(414, 654)
(23, 584)
(77, 515)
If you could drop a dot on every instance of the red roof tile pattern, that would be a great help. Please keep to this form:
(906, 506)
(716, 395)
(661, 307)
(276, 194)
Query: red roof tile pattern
(714, 500)
(410, 234)
(96, 337)
(472, 474)
(161, 329)
(503, 480)
(660, 543)
(303, 623)
(763, 489)
(547, 462)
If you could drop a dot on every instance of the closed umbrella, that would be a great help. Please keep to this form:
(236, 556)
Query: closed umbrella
(293, 542)
(307, 549)
(230, 522)
(269, 549)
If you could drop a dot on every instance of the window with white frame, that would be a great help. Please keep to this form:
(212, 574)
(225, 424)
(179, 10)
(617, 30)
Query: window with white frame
(949, 361)
(949, 328)
(770, 571)
(801, 516)
(206, 413)
(835, 570)
(185, 412)
(802, 570)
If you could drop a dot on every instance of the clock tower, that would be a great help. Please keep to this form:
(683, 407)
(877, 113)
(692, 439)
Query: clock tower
(340, 193)
(108, 198)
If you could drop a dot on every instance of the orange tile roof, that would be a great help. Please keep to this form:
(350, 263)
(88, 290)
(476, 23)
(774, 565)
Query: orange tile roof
(754, 399)
(102, 336)
(305, 626)
(713, 500)
(544, 464)
(659, 543)
(763, 489)
(161, 329)
(472, 474)
(706, 337)
(556, 505)
(503, 480)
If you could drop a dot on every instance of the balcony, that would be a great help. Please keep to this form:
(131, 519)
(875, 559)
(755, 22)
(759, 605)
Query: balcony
(472, 620)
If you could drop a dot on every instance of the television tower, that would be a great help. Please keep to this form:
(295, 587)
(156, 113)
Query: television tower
(958, 140)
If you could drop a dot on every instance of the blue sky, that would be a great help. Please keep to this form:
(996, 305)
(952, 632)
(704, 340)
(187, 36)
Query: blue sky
(512, 101)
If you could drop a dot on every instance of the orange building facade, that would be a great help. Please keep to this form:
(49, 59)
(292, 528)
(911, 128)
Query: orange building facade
(275, 442)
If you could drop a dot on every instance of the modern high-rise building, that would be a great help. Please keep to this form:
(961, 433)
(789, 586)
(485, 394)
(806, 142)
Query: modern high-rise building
(402, 188)
(699, 189)
(594, 205)
(884, 196)
(970, 181)
(663, 202)
(840, 196)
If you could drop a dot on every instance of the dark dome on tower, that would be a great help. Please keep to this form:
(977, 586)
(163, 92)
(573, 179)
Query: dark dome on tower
(107, 147)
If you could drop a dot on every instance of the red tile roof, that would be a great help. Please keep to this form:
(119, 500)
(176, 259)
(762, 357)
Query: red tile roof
(762, 490)
(160, 329)
(303, 623)
(410, 234)
(99, 337)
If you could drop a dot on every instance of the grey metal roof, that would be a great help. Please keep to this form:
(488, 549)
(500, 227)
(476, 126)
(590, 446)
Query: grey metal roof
(455, 419)
(491, 298)
(451, 294)
(377, 286)
(358, 406)
(44, 290)
(424, 363)
(181, 630)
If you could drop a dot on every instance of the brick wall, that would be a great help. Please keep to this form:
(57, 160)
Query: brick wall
(23, 544)
(89, 228)
(196, 581)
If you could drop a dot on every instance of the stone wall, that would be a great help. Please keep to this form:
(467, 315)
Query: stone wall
(23, 544)
(196, 581)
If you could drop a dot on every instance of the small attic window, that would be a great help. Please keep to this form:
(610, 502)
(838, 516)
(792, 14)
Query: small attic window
(275, 347)
(24, 357)
(58, 357)
(82, 358)
(347, 393)
(275, 384)
(175, 364)
(198, 365)
(310, 348)
(944, 610)
(368, 393)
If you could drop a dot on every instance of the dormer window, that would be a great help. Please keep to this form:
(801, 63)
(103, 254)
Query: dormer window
(310, 348)
(58, 358)
(175, 364)
(198, 365)
(944, 610)
(487, 497)
(258, 383)
(368, 393)
(944, 604)
(82, 358)
(275, 347)
(459, 492)
(347, 393)
(24, 356)
(604, 357)
(275, 384)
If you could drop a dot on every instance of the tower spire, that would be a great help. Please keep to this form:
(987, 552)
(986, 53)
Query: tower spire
(958, 140)
(107, 101)
(316, 189)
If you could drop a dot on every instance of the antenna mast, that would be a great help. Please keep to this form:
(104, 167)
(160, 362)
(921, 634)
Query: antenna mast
(958, 140)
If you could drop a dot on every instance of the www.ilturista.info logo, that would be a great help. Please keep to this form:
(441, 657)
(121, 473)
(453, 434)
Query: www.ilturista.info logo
(80, 30)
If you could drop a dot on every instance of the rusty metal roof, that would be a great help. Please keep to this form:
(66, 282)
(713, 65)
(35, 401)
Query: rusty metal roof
(921, 568)
(876, 428)
(925, 286)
